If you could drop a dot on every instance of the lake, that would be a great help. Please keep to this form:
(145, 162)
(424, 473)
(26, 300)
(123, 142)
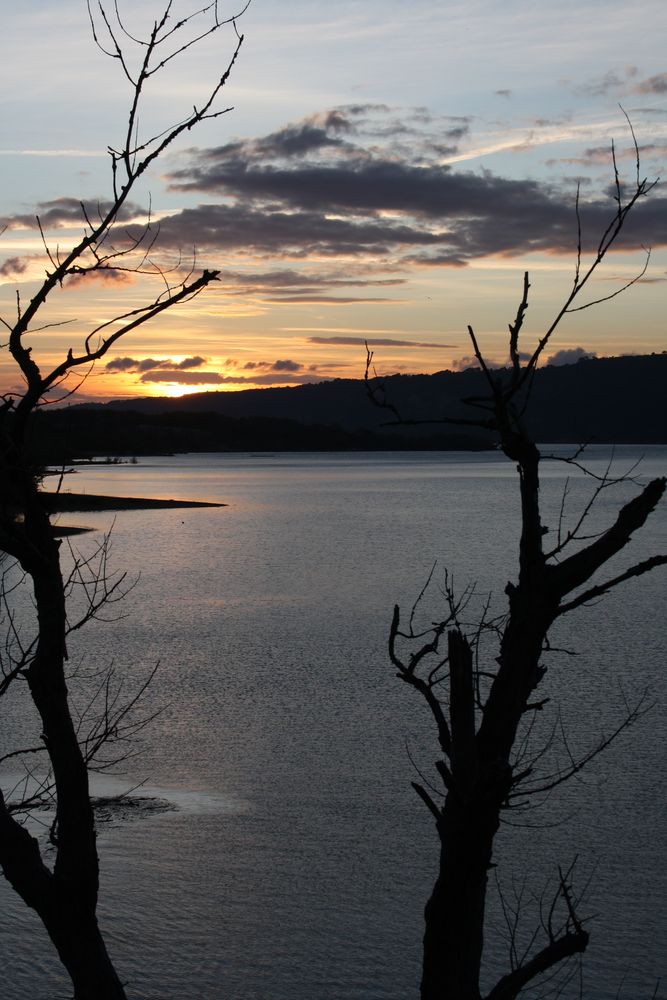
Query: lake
(298, 859)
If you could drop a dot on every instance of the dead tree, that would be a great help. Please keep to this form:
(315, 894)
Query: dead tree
(483, 697)
(64, 893)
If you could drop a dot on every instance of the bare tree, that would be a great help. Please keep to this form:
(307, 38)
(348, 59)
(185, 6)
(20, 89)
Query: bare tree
(65, 893)
(480, 678)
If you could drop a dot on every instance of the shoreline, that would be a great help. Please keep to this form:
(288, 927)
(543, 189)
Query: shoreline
(61, 503)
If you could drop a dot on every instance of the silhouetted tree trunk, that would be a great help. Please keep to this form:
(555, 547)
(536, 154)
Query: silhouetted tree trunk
(479, 704)
(65, 894)
(66, 897)
(481, 776)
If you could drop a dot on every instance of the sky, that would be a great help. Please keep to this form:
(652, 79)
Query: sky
(386, 174)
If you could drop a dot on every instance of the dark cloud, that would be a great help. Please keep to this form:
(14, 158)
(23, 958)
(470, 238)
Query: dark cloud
(121, 365)
(264, 168)
(610, 82)
(570, 356)
(457, 132)
(214, 378)
(286, 282)
(283, 371)
(470, 216)
(272, 366)
(653, 85)
(310, 135)
(330, 300)
(297, 140)
(68, 212)
(286, 366)
(148, 364)
(435, 192)
(364, 186)
(344, 129)
(280, 378)
(356, 192)
(103, 275)
(327, 187)
(373, 342)
(193, 362)
(13, 266)
(260, 281)
(174, 375)
(269, 230)
(152, 364)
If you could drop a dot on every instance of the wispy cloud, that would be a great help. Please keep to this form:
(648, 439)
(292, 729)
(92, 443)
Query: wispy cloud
(373, 342)
(599, 155)
(76, 153)
(613, 81)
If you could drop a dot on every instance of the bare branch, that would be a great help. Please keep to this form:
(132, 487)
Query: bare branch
(594, 592)
(579, 567)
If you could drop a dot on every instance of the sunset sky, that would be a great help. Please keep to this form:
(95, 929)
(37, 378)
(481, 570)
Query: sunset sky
(387, 173)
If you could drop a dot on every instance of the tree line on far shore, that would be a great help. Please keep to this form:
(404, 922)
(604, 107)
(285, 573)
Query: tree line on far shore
(570, 404)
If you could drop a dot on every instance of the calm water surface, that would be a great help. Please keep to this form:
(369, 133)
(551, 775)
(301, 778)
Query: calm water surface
(298, 860)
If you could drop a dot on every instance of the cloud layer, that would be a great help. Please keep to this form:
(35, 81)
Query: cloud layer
(363, 183)
(189, 371)
(351, 200)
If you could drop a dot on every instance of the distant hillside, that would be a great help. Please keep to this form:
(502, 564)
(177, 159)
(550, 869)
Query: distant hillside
(619, 400)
